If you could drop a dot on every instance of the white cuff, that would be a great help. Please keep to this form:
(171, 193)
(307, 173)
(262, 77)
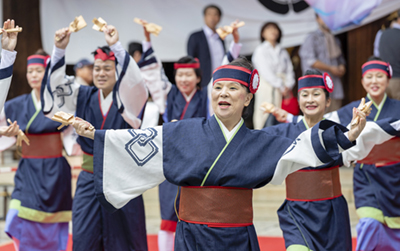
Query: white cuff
(119, 52)
(7, 58)
(146, 45)
(234, 49)
(57, 55)
(289, 118)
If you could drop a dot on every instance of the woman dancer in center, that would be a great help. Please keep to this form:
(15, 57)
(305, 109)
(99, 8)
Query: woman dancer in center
(184, 100)
(217, 162)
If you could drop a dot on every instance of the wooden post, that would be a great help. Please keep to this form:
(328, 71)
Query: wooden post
(26, 15)
(360, 46)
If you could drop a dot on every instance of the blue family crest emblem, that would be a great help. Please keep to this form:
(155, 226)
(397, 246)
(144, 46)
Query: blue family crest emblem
(141, 147)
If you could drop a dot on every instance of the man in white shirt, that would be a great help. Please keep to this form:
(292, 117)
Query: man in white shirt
(206, 45)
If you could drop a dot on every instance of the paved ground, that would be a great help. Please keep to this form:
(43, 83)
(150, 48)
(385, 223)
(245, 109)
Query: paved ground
(266, 202)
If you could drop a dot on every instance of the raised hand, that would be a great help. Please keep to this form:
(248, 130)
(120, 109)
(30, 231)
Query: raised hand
(235, 32)
(111, 34)
(146, 33)
(356, 129)
(61, 38)
(82, 128)
(9, 39)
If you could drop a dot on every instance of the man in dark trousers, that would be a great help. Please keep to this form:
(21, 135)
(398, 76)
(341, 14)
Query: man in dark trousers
(206, 45)
(389, 50)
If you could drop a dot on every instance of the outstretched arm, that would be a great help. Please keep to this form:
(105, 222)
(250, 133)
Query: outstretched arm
(126, 162)
(375, 133)
(319, 145)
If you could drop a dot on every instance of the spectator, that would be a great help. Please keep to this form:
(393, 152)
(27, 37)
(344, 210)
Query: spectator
(135, 50)
(206, 45)
(275, 69)
(389, 50)
(84, 72)
(321, 50)
(388, 23)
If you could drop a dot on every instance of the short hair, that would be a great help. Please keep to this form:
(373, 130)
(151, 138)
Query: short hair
(273, 24)
(212, 6)
(317, 72)
(190, 60)
(135, 46)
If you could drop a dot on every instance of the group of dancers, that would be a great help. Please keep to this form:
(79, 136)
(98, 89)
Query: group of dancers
(204, 159)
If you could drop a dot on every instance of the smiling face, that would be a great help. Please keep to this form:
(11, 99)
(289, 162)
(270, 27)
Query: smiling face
(375, 83)
(228, 101)
(34, 75)
(104, 75)
(186, 80)
(313, 102)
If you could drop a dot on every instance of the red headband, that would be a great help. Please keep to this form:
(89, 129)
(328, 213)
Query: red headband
(187, 65)
(103, 56)
(37, 60)
(238, 74)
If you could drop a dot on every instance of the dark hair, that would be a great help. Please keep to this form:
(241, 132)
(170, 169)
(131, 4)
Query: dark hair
(316, 72)
(268, 24)
(212, 6)
(105, 49)
(374, 58)
(189, 60)
(40, 52)
(135, 46)
(244, 62)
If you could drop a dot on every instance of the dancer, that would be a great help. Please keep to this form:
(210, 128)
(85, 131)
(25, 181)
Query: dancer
(94, 228)
(375, 186)
(217, 162)
(186, 99)
(40, 207)
(315, 215)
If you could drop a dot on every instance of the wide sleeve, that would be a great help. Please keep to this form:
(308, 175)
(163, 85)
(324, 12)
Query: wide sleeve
(130, 93)
(59, 92)
(156, 81)
(126, 164)
(6, 70)
(374, 133)
(319, 145)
